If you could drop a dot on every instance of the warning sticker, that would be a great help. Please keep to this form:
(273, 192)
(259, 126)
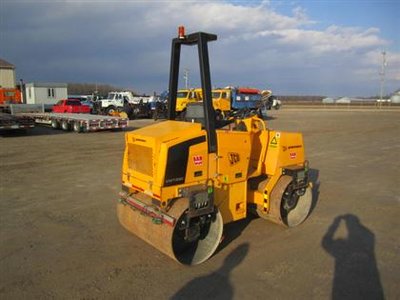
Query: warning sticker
(293, 155)
(198, 160)
(274, 142)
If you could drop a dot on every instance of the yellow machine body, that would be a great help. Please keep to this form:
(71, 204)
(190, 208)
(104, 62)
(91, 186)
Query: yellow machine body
(146, 158)
(241, 155)
(182, 181)
(164, 159)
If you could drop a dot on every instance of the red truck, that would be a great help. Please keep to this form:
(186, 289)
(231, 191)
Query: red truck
(71, 106)
(9, 95)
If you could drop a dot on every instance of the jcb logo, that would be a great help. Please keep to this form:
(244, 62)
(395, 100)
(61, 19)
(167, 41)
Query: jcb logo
(233, 158)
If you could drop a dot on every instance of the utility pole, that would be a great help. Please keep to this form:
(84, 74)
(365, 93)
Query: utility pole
(186, 77)
(382, 74)
(95, 93)
(22, 89)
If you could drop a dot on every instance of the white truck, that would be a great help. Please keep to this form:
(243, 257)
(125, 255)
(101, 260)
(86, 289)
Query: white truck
(134, 106)
(275, 102)
(270, 101)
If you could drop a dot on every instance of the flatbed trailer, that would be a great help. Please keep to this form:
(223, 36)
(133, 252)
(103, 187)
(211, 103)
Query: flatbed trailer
(78, 122)
(11, 122)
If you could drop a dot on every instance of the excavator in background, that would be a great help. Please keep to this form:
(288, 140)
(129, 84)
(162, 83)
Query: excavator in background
(183, 180)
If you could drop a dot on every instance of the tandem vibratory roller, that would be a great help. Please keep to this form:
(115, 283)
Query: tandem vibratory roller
(183, 180)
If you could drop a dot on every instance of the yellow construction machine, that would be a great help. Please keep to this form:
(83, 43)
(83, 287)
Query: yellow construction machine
(184, 97)
(183, 180)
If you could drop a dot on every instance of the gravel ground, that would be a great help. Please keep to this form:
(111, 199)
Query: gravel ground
(60, 237)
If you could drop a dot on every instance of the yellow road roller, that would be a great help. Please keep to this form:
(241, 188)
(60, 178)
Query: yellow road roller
(183, 180)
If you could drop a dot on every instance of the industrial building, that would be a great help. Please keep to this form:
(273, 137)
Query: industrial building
(7, 74)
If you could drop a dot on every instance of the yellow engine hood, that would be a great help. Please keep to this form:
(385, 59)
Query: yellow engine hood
(146, 151)
(166, 131)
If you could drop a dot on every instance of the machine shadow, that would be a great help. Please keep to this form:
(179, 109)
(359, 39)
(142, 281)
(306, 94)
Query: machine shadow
(233, 230)
(36, 131)
(356, 273)
(268, 118)
(216, 285)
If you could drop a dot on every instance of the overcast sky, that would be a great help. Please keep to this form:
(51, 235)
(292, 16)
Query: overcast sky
(330, 48)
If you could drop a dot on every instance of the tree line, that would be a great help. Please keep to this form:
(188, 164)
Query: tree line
(93, 88)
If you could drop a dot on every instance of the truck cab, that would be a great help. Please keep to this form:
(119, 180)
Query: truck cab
(222, 99)
(10, 95)
(235, 98)
(110, 104)
(70, 106)
(114, 101)
(185, 96)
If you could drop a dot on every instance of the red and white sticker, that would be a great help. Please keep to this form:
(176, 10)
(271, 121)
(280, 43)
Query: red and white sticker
(293, 155)
(198, 160)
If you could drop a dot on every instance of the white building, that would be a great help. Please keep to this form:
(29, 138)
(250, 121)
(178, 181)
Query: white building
(328, 100)
(7, 74)
(395, 97)
(344, 100)
(46, 93)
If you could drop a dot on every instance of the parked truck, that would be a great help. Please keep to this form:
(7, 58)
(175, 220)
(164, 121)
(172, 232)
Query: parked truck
(125, 101)
(186, 96)
(71, 106)
(113, 102)
(10, 95)
(270, 101)
(230, 99)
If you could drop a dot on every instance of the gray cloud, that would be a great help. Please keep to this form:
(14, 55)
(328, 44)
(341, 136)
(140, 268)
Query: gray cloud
(127, 43)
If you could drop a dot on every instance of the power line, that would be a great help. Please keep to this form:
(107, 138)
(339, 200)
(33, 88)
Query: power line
(186, 77)
(382, 73)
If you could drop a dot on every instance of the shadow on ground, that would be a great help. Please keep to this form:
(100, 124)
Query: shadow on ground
(356, 273)
(36, 131)
(233, 230)
(44, 130)
(217, 284)
(268, 118)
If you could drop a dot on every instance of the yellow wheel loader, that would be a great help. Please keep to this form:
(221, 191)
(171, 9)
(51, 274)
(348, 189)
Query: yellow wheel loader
(182, 181)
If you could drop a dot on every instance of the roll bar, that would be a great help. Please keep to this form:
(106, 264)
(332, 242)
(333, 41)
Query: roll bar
(200, 39)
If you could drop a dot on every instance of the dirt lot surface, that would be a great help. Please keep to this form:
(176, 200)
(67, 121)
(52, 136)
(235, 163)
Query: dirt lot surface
(60, 237)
